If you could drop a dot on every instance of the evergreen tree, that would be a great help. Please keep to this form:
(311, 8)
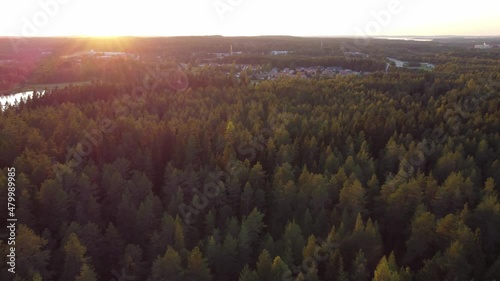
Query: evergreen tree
(53, 202)
(352, 197)
(359, 269)
(86, 274)
(280, 270)
(114, 246)
(248, 275)
(264, 266)
(229, 257)
(197, 268)
(167, 267)
(335, 266)
(132, 262)
(74, 258)
(179, 243)
(32, 256)
(420, 243)
(293, 233)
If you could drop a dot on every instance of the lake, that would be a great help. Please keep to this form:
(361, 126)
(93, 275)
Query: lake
(406, 39)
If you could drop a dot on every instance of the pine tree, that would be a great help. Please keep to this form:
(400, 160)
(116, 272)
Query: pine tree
(384, 272)
(31, 256)
(264, 266)
(229, 256)
(167, 267)
(456, 264)
(91, 236)
(232, 226)
(455, 192)
(197, 268)
(172, 181)
(486, 217)
(74, 258)
(126, 218)
(115, 184)
(359, 269)
(209, 222)
(86, 274)
(212, 249)
(24, 210)
(293, 233)
(308, 223)
(280, 270)
(309, 249)
(247, 199)
(352, 197)
(145, 216)
(423, 231)
(255, 224)
(335, 266)
(256, 177)
(114, 246)
(132, 262)
(244, 244)
(179, 243)
(387, 270)
(53, 202)
(248, 275)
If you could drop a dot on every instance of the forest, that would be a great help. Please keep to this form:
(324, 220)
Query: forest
(385, 176)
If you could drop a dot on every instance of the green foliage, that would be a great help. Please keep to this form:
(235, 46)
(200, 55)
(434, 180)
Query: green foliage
(197, 268)
(33, 258)
(422, 238)
(359, 270)
(280, 269)
(74, 258)
(293, 234)
(248, 275)
(258, 177)
(387, 270)
(167, 267)
(335, 266)
(86, 274)
(264, 266)
(352, 197)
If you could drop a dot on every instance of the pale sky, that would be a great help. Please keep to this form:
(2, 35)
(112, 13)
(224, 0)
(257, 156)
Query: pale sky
(249, 17)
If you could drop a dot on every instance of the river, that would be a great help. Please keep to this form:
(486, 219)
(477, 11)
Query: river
(399, 63)
(13, 99)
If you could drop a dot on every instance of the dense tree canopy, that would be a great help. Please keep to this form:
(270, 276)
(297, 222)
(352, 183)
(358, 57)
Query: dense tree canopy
(377, 177)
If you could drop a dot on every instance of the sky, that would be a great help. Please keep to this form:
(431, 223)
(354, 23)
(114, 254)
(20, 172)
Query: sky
(249, 17)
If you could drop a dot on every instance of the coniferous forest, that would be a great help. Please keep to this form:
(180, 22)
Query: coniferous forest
(180, 165)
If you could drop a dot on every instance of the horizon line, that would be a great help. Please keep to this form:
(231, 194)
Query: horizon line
(264, 35)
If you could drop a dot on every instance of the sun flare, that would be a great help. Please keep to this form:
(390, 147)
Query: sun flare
(247, 18)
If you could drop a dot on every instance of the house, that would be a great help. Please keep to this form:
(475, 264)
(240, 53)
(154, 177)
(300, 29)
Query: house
(275, 53)
(483, 47)
(356, 54)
